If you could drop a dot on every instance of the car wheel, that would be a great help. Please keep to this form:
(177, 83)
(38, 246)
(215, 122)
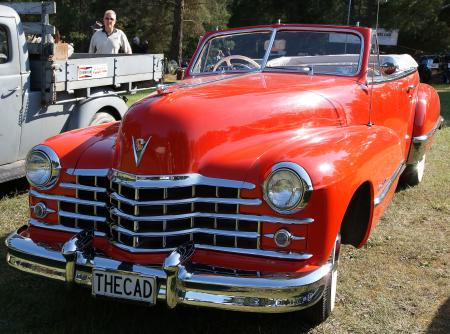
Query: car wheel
(413, 174)
(320, 311)
(102, 117)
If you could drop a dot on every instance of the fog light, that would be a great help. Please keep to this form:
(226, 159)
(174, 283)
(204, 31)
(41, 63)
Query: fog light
(282, 238)
(40, 210)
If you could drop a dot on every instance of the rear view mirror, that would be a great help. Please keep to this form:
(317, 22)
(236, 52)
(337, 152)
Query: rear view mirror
(388, 68)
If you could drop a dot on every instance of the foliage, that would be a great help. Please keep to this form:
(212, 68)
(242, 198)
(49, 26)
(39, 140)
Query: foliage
(423, 25)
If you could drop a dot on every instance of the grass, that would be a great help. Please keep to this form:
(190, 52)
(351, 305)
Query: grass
(398, 283)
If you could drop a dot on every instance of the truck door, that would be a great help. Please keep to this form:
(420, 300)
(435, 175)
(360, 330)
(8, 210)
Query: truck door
(10, 91)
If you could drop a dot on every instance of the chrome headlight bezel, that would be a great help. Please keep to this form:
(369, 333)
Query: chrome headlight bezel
(53, 164)
(304, 181)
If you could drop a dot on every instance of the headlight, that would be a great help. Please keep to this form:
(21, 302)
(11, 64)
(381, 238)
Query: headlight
(42, 167)
(288, 188)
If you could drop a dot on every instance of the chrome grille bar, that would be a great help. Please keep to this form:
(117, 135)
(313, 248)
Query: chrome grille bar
(250, 235)
(82, 187)
(81, 216)
(255, 218)
(192, 200)
(67, 199)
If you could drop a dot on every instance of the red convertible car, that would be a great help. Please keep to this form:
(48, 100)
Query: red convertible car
(235, 187)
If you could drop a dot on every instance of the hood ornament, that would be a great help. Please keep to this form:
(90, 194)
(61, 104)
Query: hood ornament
(139, 146)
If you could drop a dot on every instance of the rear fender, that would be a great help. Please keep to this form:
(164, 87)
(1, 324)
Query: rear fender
(102, 99)
(338, 161)
(426, 121)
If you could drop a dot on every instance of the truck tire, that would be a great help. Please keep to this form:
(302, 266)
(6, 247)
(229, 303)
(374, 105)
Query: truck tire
(321, 310)
(413, 174)
(102, 117)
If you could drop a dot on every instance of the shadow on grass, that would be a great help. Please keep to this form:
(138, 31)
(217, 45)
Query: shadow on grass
(34, 304)
(14, 187)
(441, 320)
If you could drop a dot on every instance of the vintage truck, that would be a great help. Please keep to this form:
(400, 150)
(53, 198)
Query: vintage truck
(236, 187)
(42, 95)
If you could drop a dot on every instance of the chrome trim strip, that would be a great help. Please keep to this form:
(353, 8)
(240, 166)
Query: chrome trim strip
(420, 139)
(82, 187)
(240, 201)
(388, 184)
(265, 219)
(65, 199)
(258, 252)
(173, 181)
(293, 237)
(419, 144)
(87, 172)
(60, 228)
(396, 76)
(81, 216)
(227, 233)
(269, 47)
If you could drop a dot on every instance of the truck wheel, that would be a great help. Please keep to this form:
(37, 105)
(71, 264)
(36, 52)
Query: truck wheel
(102, 117)
(320, 311)
(413, 174)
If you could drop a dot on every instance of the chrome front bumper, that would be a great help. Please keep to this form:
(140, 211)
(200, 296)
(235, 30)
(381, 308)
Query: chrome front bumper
(177, 284)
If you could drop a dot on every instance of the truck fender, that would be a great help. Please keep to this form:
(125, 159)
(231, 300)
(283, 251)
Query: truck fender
(104, 100)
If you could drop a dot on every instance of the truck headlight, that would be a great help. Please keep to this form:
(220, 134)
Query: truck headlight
(288, 188)
(42, 167)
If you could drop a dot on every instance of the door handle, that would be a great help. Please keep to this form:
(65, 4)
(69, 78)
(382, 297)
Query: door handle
(13, 89)
(410, 88)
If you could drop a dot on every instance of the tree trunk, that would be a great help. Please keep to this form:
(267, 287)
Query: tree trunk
(176, 46)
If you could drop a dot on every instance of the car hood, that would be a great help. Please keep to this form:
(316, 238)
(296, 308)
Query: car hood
(205, 123)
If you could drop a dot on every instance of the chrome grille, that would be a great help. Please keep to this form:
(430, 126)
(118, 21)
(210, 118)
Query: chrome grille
(164, 212)
(158, 213)
(90, 207)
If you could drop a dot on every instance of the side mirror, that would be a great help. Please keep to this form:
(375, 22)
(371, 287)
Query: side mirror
(388, 68)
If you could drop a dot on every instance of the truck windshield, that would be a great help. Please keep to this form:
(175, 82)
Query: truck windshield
(292, 50)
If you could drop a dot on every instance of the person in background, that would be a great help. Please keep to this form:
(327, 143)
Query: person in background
(109, 40)
(137, 46)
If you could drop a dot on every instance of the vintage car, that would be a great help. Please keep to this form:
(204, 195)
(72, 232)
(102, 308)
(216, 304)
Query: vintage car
(235, 187)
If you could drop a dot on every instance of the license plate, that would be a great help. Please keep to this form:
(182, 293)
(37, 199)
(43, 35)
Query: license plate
(124, 286)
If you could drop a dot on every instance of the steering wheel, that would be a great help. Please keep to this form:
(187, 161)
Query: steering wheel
(229, 58)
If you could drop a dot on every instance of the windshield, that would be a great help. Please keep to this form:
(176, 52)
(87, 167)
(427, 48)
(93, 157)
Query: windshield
(292, 50)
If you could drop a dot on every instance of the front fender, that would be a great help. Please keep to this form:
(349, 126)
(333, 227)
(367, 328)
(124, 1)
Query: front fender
(338, 161)
(82, 115)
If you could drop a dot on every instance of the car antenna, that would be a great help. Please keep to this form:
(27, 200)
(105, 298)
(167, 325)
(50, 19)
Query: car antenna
(373, 66)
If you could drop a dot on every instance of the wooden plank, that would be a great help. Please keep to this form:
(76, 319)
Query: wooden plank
(36, 28)
(48, 7)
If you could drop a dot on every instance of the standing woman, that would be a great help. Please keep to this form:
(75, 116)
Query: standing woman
(109, 40)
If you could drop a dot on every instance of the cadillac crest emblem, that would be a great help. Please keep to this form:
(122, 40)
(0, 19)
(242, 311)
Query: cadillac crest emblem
(139, 146)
